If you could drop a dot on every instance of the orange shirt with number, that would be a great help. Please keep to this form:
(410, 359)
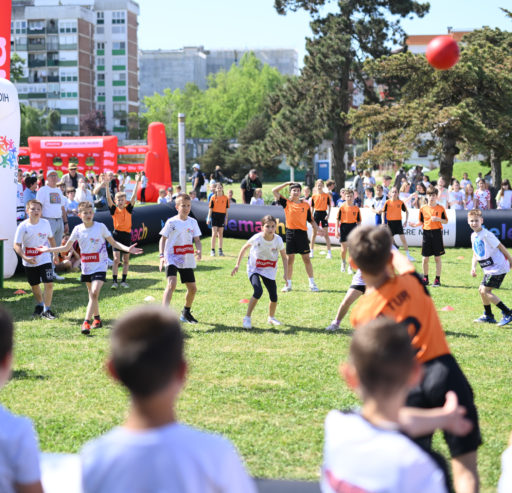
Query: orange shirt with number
(348, 214)
(219, 203)
(393, 210)
(427, 212)
(297, 214)
(403, 298)
(320, 201)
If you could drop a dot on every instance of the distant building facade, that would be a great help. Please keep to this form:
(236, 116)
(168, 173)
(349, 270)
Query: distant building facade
(80, 55)
(417, 43)
(173, 69)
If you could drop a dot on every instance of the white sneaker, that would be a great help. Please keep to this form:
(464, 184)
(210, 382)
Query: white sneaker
(56, 277)
(114, 285)
(247, 323)
(311, 254)
(329, 255)
(408, 255)
(333, 327)
(286, 288)
(349, 270)
(343, 267)
(313, 287)
(273, 321)
(125, 285)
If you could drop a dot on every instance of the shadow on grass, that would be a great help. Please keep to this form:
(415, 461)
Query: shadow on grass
(460, 334)
(286, 329)
(27, 375)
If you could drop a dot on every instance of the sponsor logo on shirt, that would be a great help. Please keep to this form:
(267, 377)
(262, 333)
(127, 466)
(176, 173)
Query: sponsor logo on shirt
(183, 249)
(90, 257)
(32, 252)
(263, 264)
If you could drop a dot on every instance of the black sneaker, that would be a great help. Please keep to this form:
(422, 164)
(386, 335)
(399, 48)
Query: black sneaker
(48, 314)
(425, 281)
(38, 311)
(187, 317)
(221, 253)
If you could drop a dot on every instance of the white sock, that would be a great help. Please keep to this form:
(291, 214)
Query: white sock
(311, 280)
(45, 308)
(289, 283)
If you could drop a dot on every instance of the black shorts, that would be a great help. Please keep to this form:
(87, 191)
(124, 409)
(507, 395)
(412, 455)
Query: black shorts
(320, 218)
(396, 227)
(218, 219)
(95, 276)
(493, 281)
(122, 237)
(432, 243)
(186, 275)
(39, 274)
(358, 287)
(297, 242)
(345, 229)
(441, 375)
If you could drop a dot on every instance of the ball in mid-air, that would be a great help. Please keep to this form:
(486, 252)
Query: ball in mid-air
(442, 52)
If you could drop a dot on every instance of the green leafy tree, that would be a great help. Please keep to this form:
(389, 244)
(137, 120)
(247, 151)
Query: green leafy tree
(32, 123)
(93, 123)
(217, 154)
(321, 97)
(16, 72)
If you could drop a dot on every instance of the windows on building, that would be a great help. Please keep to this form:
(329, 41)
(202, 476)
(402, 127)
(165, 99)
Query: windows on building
(100, 18)
(67, 26)
(119, 17)
(118, 45)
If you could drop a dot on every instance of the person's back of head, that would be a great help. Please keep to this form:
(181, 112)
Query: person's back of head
(147, 349)
(370, 248)
(6, 334)
(383, 357)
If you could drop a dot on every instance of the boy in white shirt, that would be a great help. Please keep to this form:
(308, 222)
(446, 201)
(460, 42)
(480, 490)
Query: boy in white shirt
(177, 254)
(366, 450)
(152, 451)
(262, 266)
(31, 234)
(495, 261)
(91, 237)
(19, 454)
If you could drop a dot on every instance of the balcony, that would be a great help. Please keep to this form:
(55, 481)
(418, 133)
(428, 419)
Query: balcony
(66, 111)
(36, 30)
(37, 95)
(36, 63)
(53, 62)
(52, 28)
(69, 127)
(53, 78)
(120, 115)
(118, 98)
(70, 46)
(36, 46)
(119, 129)
(100, 52)
(68, 63)
(21, 46)
(54, 95)
(101, 83)
(119, 83)
(118, 52)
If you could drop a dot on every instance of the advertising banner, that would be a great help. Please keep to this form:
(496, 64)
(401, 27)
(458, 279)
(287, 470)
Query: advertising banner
(5, 40)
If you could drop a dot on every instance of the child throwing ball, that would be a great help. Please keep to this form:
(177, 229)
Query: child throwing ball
(262, 266)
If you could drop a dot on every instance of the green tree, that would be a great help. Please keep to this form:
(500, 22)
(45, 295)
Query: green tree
(216, 155)
(467, 107)
(17, 64)
(322, 96)
(32, 123)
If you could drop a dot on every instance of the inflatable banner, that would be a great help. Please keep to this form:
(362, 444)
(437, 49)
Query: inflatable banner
(5, 40)
(9, 144)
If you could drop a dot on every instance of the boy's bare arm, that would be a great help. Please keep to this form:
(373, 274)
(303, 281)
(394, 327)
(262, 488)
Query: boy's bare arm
(276, 190)
(401, 263)
(504, 251)
(240, 257)
(109, 196)
(19, 250)
(199, 247)
(284, 258)
(134, 194)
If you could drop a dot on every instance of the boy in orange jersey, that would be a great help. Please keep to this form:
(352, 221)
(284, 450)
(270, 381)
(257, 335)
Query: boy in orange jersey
(393, 210)
(218, 215)
(432, 217)
(297, 214)
(403, 298)
(121, 212)
(321, 204)
(349, 216)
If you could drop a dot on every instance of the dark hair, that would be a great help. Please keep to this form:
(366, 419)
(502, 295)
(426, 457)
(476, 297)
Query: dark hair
(295, 185)
(370, 247)
(30, 180)
(431, 190)
(383, 356)
(147, 349)
(6, 333)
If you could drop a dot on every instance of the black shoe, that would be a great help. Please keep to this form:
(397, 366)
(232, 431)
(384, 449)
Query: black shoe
(48, 314)
(38, 311)
(187, 317)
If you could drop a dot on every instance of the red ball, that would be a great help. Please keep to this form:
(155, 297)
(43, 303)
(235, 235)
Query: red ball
(442, 52)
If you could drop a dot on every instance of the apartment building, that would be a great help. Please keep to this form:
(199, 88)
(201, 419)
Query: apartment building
(79, 55)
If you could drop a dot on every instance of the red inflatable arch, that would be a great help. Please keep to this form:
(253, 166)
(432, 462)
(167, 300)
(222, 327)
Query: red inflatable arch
(104, 151)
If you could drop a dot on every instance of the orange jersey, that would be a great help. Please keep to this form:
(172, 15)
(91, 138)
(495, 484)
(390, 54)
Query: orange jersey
(348, 214)
(297, 214)
(426, 214)
(393, 210)
(404, 299)
(219, 203)
(320, 201)
(122, 218)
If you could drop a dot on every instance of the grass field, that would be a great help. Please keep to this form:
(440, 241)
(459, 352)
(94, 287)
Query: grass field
(267, 389)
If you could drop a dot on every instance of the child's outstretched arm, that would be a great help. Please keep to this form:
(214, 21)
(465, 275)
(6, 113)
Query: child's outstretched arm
(131, 249)
(110, 202)
(57, 249)
(134, 194)
(401, 263)
(240, 256)
(276, 190)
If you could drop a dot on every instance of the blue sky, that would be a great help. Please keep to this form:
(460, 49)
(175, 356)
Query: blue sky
(172, 24)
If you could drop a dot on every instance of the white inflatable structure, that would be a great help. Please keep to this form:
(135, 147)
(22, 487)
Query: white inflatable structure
(9, 145)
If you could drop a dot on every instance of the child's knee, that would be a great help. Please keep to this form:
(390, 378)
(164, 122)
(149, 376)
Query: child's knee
(191, 287)
(172, 282)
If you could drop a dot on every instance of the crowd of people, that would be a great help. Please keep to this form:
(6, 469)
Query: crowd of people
(400, 362)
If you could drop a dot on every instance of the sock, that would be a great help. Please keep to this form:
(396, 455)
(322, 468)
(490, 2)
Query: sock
(488, 310)
(40, 304)
(186, 309)
(124, 278)
(46, 308)
(438, 278)
(425, 276)
(114, 278)
(311, 280)
(289, 283)
(97, 317)
(504, 308)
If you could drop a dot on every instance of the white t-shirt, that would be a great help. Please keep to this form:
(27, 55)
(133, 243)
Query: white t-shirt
(172, 458)
(442, 197)
(505, 483)
(179, 246)
(264, 255)
(93, 249)
(357, 454)
(31, 236)
(19, 454)
(20, 203)
(485, 248)
(457, 197)
(52, 200)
